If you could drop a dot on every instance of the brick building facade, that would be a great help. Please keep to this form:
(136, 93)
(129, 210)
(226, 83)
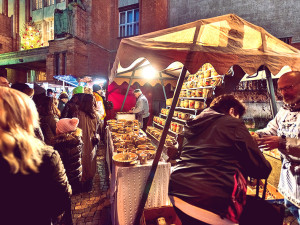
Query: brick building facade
(85, 34)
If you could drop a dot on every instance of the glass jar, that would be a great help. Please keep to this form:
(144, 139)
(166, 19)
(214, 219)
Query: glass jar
(182, 103)
(186, 103)
(191, 104)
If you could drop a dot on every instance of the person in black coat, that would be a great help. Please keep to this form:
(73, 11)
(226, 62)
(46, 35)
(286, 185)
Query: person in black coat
(71, 108)
(34, 187)
(208, 184)
(69, 144)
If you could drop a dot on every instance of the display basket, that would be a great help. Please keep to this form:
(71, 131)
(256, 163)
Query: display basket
(151, 215)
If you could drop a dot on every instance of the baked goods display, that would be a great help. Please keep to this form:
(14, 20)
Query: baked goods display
(128, 143)
(156, 133)
(125, 159)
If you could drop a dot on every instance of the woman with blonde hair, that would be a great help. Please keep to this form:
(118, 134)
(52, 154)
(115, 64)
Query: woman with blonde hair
(34, 188)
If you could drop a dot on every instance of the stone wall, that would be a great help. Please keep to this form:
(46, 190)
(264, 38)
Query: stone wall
(280, 18)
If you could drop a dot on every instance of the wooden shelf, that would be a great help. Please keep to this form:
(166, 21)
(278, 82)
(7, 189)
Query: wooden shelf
(174, 118)
(196, 88)
(156, 142)
(161, 126)
(193, 98)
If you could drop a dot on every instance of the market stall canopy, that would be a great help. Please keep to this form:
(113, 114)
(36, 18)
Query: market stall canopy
(223, 41)
(261, 75)
(145, 73)
(68, 79)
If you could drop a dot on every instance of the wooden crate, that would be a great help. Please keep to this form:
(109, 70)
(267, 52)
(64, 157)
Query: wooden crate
(151, 215)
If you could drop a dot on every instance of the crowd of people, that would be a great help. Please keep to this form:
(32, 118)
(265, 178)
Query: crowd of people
(47, 150)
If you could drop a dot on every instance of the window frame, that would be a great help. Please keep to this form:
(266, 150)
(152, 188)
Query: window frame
(134, 25)
(37, 4)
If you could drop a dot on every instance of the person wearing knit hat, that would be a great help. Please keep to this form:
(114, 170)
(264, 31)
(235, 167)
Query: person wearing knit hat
(96, 88)
(66, 125)
(78, 89)
(23, 88)
(68, 143)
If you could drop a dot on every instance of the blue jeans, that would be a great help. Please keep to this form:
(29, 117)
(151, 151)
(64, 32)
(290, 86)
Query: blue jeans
(293, 209)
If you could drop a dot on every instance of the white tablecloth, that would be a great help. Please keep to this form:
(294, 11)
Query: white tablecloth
(127, 186)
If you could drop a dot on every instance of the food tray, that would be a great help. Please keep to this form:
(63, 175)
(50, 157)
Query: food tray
(119, 161)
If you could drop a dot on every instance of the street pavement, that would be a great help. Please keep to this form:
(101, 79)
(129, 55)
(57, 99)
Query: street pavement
(93, 208)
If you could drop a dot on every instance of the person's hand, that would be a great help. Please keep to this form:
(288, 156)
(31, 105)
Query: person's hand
(268, 142)
(130, 111)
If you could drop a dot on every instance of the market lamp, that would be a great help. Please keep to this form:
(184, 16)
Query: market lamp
(149, 72)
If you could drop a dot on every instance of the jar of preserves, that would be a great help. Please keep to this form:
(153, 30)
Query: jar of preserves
(182, 103)
(186, 103)
(191, 104)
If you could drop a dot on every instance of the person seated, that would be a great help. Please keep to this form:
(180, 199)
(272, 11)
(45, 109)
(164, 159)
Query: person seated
(208, 184)
(69, 144)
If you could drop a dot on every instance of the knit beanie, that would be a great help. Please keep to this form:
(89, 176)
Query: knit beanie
(63, 95)
(66, 125)
(96, 87)
(78, 89)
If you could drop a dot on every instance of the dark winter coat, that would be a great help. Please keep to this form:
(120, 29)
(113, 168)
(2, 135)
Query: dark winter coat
(61, 105)
(34, 198)
(69, 146)
(71, 108)
(216, 147)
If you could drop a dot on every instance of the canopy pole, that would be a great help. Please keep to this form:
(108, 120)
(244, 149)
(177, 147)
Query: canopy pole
(159, 148)
(163, 87)
(271, 92)
(130, 81)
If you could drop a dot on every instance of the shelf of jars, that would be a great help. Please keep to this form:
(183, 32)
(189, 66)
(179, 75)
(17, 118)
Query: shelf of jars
(155, 133)
(174, 118)
(174, 130)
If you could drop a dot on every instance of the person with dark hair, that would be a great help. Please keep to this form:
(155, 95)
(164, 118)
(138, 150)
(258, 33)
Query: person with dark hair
(88, 123)
(71, 108)
(49, 115)
(50, 92)
(23, 88)
(141, 108)
(63, 99)
(208, 184)
(30, 92)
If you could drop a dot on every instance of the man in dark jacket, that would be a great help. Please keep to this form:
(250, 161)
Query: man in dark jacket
(71, 107)
(217, 156)
(63, 99)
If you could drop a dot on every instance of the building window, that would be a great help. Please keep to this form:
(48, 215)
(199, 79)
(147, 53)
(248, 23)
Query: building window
(48, 2)
(37, 4)
(129, 22)
(287, 40)
(50, 30)
(64, 63)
